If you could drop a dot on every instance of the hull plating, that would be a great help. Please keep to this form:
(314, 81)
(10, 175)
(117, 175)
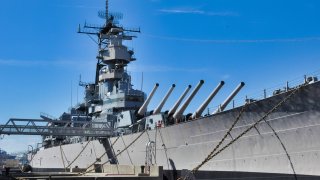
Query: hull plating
(185, 145)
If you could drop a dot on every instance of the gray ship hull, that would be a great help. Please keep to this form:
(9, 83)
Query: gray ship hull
(186, 145)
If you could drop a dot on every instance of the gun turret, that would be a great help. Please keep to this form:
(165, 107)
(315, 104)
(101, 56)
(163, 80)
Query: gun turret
(176, 105)
(178, 114)
(158, 109)
(228, 100)
(143, 108)
(207, 101)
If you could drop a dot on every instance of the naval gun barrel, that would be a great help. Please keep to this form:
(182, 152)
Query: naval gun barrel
(179, 112)
(200, 110)
(176, 105)
(228, 100)
(143, 108)
(158, 109)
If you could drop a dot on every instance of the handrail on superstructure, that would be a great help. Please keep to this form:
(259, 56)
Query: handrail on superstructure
(45, 127)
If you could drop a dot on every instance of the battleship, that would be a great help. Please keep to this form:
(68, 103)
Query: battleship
(275, 137)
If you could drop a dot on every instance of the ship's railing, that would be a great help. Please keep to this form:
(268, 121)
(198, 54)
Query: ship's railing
(55, 128)
(135, 94)
(264, 93)
(46, 115)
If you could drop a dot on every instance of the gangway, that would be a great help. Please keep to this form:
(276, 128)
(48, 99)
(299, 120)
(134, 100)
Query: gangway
(46, 127)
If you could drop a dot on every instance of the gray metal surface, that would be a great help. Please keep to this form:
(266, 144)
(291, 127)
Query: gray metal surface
(179, 113)
(165, 98)
(144, 106)
(229, 98)
(185, 145)
(176, 105)
(112, 102)
(54, 127)
(200, 110)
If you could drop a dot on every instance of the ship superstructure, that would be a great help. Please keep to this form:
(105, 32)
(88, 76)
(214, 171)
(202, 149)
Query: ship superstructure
(111, 99)
(112, 92)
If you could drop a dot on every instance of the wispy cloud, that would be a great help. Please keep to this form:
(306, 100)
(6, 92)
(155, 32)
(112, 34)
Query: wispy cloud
(71, 63)
(226, 76)
(32, 63)
(197, 11)
(155, 68)
(228, 41)
(80, 6)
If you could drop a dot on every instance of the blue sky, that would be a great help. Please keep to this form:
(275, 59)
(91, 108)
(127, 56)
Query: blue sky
(263, 43)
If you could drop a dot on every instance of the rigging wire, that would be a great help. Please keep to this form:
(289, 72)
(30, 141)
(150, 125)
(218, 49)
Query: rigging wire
(153, 153)
(263, 93)
(95, 41)
(103, 154)
(125, 146)
(247, 130)
(155, 144)
(86, 170)
(94, 150)
(64, 166)
(165, 148)
(284, 148)
(224, 137)
(78, 154)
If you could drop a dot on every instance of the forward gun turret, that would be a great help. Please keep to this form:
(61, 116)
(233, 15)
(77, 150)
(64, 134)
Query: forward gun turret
(207, 101)
(176, 105)
(144, 107)
(228, 100)
(178, 114)
(158, 109)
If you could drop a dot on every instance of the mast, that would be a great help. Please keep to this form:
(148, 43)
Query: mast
(113, 56)
(107, 10)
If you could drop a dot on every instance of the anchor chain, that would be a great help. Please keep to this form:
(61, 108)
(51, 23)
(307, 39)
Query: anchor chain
(284, 148)
(78, 154)
(103, 154)
(86, 171)
(223, 139)
(61, 153)
(213, 153)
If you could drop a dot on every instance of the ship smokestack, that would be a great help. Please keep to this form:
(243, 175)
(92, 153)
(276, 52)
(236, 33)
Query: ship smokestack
(228, 100)
(158, 109)
(177, 115)
(143, 108)
(176, 105)
(207, 101)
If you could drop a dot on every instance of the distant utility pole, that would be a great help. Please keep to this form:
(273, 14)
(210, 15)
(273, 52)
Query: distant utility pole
(71, 93)
(141, 81)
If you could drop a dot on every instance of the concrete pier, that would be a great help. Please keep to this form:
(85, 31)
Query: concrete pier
(108, 172)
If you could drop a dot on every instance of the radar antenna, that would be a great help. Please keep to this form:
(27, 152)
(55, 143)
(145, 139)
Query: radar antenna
(110, 17)
(107, 10)
(105, 32)
(81, 83)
